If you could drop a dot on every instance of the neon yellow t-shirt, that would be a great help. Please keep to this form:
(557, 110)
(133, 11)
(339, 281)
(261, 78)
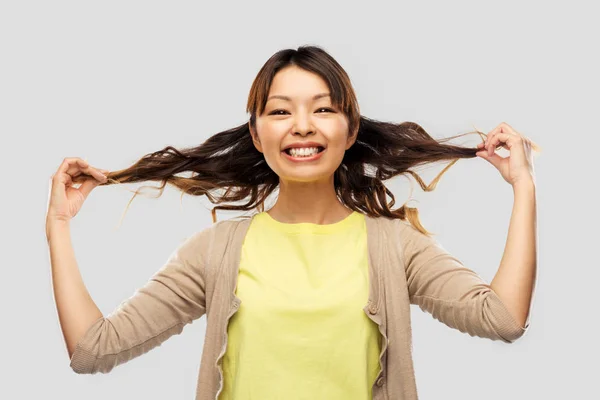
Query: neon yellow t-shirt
(300, 331)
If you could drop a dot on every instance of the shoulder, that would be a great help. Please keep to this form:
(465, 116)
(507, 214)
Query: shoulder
(220, 233)
(219, 229)
(401, 232)
(393, 225)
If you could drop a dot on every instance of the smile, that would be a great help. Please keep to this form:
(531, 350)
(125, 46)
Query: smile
(313, 157)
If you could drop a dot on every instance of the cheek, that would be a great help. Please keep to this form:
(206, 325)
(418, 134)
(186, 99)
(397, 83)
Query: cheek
(270, 138)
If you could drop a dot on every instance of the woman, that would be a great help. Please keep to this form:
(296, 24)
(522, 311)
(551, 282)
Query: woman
(309, 299)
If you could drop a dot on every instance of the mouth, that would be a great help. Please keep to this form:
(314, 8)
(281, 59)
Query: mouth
(304, 159)
(288, 151)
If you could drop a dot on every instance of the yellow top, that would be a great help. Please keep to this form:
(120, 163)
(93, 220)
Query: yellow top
(301, 331)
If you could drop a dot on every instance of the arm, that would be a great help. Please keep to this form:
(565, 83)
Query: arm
(441, 285)
(173, 297)
(515, 280)
(76, 309)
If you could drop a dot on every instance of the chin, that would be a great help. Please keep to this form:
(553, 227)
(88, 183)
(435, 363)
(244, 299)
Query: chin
(306, 177)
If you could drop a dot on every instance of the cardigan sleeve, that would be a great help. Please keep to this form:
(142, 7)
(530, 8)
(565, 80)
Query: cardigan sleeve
(173, 297)
(442, 286)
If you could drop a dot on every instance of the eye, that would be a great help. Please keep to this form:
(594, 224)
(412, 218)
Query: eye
(275, 112)
(326, 108)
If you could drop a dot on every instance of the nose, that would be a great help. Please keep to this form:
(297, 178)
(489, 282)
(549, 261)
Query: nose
(303, 125)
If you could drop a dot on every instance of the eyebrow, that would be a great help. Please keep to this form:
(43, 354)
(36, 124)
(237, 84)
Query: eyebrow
(315, 97)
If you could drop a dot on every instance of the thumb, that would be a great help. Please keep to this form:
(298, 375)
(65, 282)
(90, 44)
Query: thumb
(87, 186)
(494, 159)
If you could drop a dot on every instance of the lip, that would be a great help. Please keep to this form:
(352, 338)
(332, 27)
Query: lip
(304, 144)
(304, 159)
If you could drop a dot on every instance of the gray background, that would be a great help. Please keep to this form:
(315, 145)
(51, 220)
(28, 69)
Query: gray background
(110, 81)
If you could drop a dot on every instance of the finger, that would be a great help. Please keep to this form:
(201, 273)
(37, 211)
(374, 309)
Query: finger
(82, 167)
(492, 143)
(87, 186)
(68, 162)
(62, 179)
(95, 175)
(489, 137)
(507, 140)
(91, 171)
(481, 145)
(494, 159)
(76, 169)
(58, 184)
(82, 178)
(72, 167)
(506, 128)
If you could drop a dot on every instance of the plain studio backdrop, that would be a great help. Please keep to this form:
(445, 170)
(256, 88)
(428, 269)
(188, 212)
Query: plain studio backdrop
(111, 81)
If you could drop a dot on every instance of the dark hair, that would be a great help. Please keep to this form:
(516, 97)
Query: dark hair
(228, 160)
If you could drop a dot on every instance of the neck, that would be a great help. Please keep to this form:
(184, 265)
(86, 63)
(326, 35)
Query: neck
(315, 202)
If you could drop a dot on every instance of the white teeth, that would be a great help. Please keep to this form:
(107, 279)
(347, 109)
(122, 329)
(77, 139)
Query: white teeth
(304, 152)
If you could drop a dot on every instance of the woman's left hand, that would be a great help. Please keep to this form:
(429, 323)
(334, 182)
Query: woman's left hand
(518, 166)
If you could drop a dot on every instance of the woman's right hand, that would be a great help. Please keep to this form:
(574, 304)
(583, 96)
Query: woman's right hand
(65, 201)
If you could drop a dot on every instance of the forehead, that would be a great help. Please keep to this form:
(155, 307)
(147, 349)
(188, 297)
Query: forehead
(298, 84)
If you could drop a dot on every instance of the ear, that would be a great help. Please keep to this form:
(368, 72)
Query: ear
(255, 138)
(351, 139)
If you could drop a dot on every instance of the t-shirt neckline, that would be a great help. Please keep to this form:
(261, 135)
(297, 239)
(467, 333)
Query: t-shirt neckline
(309, 227)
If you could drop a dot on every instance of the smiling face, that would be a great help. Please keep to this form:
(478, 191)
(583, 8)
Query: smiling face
(305, 114)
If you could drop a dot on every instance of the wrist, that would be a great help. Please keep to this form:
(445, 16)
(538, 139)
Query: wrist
(525, 186)
(53, 224)
(524, 183)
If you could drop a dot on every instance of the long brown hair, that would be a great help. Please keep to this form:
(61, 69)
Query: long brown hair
(229, 161)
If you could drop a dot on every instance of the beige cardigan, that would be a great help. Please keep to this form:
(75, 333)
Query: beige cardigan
(405, 267)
